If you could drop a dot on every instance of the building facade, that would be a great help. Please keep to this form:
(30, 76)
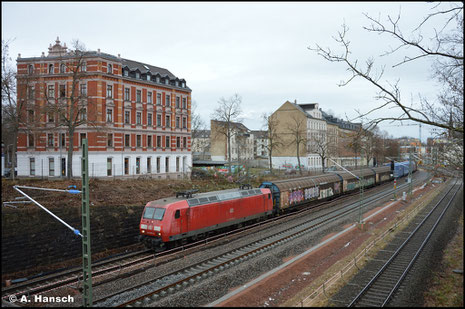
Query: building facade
(136, 117)
(242, 142)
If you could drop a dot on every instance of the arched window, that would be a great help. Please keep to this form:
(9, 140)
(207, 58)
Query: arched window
(110, 69)
(62, 68)
(50, 69)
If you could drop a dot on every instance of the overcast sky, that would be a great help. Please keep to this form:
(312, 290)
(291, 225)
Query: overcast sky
(258, 50)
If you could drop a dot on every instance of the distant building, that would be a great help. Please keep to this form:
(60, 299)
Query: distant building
(142, 116)
(317, 128)
(260, 144)
(242, 142)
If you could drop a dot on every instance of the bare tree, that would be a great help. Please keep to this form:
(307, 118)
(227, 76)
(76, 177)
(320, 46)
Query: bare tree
(444, 49)
(298, 131)
(198, 129)
(322, 146)
(72, 109)
(271, 125)
(11, 119)
(227, 113)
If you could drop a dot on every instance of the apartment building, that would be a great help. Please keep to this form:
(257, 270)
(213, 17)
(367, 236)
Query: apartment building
(135, 116)
(242, 142)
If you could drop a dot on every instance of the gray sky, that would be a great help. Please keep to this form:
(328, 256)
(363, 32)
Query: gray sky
(258, 50)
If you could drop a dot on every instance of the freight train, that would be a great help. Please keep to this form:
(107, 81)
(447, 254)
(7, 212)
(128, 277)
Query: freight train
(166, 223)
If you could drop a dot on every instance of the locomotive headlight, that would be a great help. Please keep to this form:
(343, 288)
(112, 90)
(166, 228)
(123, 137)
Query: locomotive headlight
(143, 231)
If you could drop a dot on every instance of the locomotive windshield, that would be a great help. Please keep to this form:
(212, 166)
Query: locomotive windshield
(154, 213)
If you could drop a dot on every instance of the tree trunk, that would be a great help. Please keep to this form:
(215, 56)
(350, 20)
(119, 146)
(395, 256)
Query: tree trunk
(69, 164)
(229, 150)
(271, 164)
(298, 159)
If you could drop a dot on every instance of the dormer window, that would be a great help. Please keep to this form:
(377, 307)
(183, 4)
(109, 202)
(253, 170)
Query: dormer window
(125, 73)
(137, 75)
(50, 69)
(157, 79)
(148, 77)
(110, 69)
(183, 85)
(166, 81)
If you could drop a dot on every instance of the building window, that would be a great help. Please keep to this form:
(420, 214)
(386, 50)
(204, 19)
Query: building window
(62, 68)
(50, 69)
(137, 165)
(149, 165)
(177, 122)
(138, 118)
(82, 138)
(149, 141)
(158, 98)
(178, 142)
(184, 103)
(30, 69)
(110, 140)
(109, 115)
(84, 66)
(177, 164)
(51, 91)
(83, 114)
(127, 139)
(83, 89)
(158, 141)
(32, 166)
(184, 142)
(30, 92)
(168, 122)
(157, 79)
(51, 117)
(138, 95)
(184, 122)
(167, 164)
(177, 102)
(126, 94)
(127, 116)
(62, 91)
(149, 97)
(137, 75)
(125, 73)
(30, 115)
(30, 140)
(158, 165)
(167, 81)
(167, 142)
(148, 76)
(51, 166)
(158, 120)
(110, 69)
(138, 140)
(149, 119)
(50, 140)
(126, 166)
(168, 100)
(109, 166)
(109, 91)
(63, 139)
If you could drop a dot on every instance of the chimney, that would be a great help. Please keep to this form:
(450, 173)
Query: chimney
(119, 56)
(98, 51)
(295, 101)
(43, 54)
(19, 55)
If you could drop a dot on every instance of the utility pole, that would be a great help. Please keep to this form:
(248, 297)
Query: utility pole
(410, 185)
(361, 191)
(86, 252)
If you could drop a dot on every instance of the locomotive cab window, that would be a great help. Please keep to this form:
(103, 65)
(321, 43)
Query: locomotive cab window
(154, 213)
(177, 214)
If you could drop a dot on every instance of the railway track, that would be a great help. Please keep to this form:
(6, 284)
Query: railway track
(380, 290)
(178, 280)
(141, 260)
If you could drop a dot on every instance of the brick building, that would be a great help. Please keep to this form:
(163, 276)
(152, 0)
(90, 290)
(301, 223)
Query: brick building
(135, 116)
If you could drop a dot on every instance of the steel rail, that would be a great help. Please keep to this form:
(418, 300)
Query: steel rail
(396, 253)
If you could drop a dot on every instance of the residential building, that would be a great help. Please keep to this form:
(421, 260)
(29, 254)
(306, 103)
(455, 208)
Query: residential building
(135, 116)
(316, 133)
(242, 142)
(260, 142)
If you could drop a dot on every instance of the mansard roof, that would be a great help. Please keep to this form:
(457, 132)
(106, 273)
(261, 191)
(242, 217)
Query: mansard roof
(134, 65)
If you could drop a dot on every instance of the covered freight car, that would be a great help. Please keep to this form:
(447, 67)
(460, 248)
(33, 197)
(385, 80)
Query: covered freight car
(293, 192)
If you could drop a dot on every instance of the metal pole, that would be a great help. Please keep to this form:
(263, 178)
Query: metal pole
(410, 185)
(361, 190)
(86, 252)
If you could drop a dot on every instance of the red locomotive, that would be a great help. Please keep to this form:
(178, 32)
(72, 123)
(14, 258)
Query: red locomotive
(170, 221)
